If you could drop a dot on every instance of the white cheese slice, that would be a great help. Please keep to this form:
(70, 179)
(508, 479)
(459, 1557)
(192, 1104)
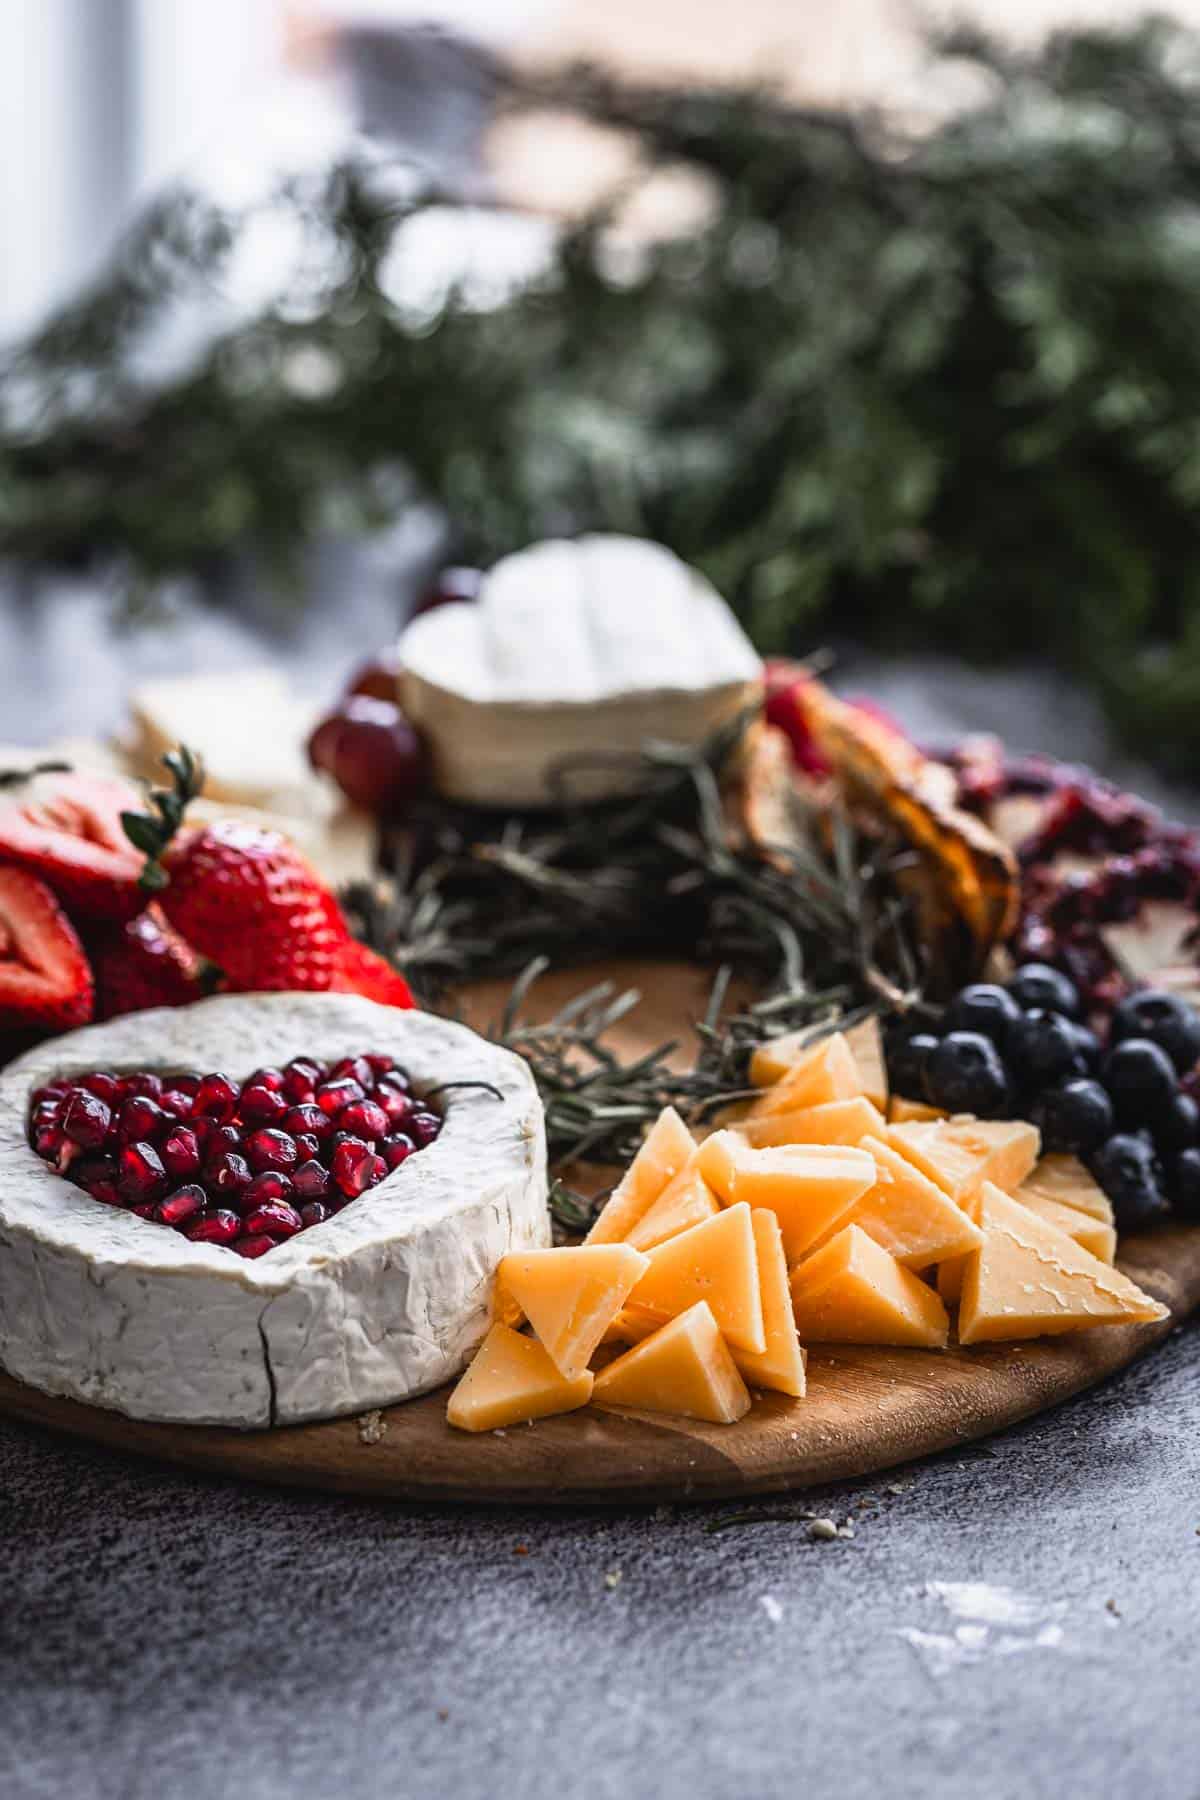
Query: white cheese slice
(251, 730)
(385, 1300)
(578, 648)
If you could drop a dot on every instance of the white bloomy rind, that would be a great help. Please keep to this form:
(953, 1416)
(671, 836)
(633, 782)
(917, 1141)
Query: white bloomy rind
(574, 649)
(384, 1301)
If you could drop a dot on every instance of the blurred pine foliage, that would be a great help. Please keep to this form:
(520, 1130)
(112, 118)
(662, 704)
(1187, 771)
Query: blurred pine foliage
(926, 388)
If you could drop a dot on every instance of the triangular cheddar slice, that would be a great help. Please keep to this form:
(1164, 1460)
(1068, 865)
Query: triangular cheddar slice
(781, 1366)
(510, 1381)
(571, 1296)
(853, 1292)
(836, 1122)
(631, 1325)
(684, 1368)
(1030, 1280)
(865, 1042)
(810, 1187)
(684, 1202)
(903, 1112)
(907, 1215)
(1065, 1180)
(825, 1071)
(961, 1153)
(1093, 1235)
(717, 1262)
(950, 1272)
(668, 1146)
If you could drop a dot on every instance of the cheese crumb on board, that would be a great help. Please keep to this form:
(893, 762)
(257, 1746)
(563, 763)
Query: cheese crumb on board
(684, 1368)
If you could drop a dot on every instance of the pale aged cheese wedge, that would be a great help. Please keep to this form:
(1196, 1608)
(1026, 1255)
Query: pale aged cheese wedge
(668, 1147)
(1030, 1280)
(513, 1380)
(718, 1262)
(684, 1202)
(684, 1368)
(961, 1153)
(572, 648)
(908, 1215)
(631, 1325)
(1064, 1180)
(810, 1187)
(250, 729)
(902, 1111)
(866, 1047)
(853, 1292)
(572, 1295)
(782, 1364)
(1092, 1234)
(825, 1071)
(836, 1122)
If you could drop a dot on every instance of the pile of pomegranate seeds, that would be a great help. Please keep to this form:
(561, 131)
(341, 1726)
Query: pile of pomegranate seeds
(245, 1165)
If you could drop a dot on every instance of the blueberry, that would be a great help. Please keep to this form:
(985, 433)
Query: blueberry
(987, 1009)
(1177, 1126)
(1126, 1170)
(1049, 990)
(1045, 1048)
(964, 1074)
(1184, 1178)
(1087, 1045)
(1076, 1117)
(1166, 1019)
(1141, 1079)
(906, 1062)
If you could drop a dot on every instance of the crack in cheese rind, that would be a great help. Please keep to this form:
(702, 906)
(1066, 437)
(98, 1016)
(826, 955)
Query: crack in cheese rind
(810, 1187)
(685, 1368)
(572, 1295)
(512, 1380)
(667, 1148)
(383, 1301)
(908, 1215)
(852, 1292)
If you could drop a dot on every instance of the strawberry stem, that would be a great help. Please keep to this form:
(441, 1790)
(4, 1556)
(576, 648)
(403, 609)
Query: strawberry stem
(152, 831)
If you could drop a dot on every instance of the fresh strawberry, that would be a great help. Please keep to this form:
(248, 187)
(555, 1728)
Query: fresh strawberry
(248, 901)
(64, 826)
(147, 963)
(45, 981)
(361, 971)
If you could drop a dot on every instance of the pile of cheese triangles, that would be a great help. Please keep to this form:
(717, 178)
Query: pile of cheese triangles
(825, 1213)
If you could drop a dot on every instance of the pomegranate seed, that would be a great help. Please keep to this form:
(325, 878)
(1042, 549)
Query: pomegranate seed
(363, 1119)
(93, 1168)
(395, 1079)
(54, 1091)
(144, 1212)
(106, 1192)
(276, 1217)
(177, 1102)
(424, 1127)
(314, 1213)
(354, 1068)
(85, 1119)
(396, 1149)
(265, 1188)
(380, 1065)
(49, 1112)
(298, 1086)
(221, 1140)
(216, 1098)
(215, 1228)
(143, 1083)
(48, 1141)
(184, 1204)
(306, 1145)
(185, 1084)
(312, 1181)
(398, 1108)
(271, 1150)
(140, 1119)
(309, 1119)
(255, 1246)
(261, 1106)
(142, 1172)
(332, 1096)
(356, 1167)
(106, 1087)
(267, 1078)
(180, 1153)
(228, 1175)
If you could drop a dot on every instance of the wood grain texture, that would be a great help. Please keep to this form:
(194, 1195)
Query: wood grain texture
(866, 1409)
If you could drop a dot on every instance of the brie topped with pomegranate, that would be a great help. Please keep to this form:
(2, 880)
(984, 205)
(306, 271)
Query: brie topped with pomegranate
(382, 1295)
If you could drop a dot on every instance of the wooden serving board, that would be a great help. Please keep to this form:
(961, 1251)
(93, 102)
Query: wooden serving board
(866, 1409)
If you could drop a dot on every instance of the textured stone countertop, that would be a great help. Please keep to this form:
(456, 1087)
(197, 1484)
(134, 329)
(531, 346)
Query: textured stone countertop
(1015, 1620)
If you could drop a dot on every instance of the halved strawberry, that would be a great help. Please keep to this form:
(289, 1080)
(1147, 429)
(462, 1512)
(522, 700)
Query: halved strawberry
(146, 963)
(65, 827)
(362, 971)
(45, 980)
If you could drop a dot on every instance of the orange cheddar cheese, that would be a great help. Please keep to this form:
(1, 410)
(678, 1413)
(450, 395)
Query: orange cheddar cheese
(668, 1147)
(961, 1153)
(510, 1381)
(835, 1122)
(902, 1111)
(683, 1202)
(908, 1215)
(1064, 1180)
(1029, 1279)
(572, 1295)
(782, 1364)
(717, 1262)
(865, 1043)
(631, 1325)
(1092, 1234)
(808, 1186)
(824, 1071)
(684, 1368)
(853, 1292)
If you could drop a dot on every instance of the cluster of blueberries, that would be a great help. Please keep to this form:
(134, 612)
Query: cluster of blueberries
(1023, 1051)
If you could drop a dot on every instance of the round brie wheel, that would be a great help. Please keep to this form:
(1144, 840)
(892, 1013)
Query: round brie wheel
(385, 1300)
